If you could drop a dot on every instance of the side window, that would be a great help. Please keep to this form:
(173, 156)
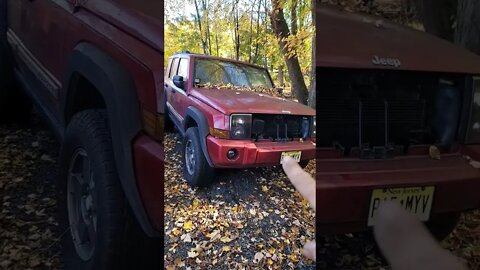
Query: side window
(173, 68)
(183, 68)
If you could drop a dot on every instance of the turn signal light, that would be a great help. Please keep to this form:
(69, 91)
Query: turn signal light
(219, 133)
(153, 124)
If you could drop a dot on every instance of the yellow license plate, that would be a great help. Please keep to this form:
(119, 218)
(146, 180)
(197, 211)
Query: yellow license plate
(416, 200)
(293, 154)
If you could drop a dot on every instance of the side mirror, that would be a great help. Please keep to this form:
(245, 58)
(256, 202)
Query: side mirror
(178, 81)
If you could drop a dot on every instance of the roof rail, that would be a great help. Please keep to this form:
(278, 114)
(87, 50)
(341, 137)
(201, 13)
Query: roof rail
(183, 52)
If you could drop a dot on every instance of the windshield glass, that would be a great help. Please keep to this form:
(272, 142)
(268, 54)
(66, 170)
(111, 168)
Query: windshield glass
(217, 72)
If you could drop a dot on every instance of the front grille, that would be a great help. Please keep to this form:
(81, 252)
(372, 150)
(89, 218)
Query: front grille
(277, 127)
(378, 122)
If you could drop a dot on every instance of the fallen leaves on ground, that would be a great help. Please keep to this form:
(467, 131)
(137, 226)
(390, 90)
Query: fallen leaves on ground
(28, 204)
(248, 219)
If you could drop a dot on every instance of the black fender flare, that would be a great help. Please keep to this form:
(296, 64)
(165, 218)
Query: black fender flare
(202, 123)
(118, 90)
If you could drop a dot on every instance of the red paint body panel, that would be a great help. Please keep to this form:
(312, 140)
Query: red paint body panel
(130, 32)
(349, 40)
(149, 168)
(344, 187)
(251, 154)
(228, 102)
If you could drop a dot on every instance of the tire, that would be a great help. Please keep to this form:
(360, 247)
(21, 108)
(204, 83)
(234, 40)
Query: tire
(92, 205)
(198, 173)
(442, 225)
(14, 105)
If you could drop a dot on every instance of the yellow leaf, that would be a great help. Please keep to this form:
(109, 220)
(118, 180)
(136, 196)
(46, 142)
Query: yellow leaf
(176, 232)
(269, 261)
(195, 203)
(225, 239)
(264, 188)
(260, 245)
(234, 209)
(293, 258)
(192, 254)
(213, 234)
(187, 225)
(226, 248)
(271, 250)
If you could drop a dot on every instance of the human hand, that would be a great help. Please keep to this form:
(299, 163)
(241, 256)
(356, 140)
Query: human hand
(407, 244)
(304, 184)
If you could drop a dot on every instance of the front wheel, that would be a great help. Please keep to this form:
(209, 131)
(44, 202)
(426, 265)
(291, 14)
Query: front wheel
(100, 228)
(196, 169)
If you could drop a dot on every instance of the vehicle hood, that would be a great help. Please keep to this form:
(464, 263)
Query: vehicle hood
(231, 101)
(351, 40)
(145, 27)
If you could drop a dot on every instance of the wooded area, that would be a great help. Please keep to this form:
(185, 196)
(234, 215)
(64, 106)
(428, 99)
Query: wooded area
(275, 34)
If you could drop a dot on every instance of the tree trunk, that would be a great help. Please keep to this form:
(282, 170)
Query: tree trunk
(216, 42)
(280, 28)
(467, 33)
(293, 15)
(257, 45)
(312, 94)
(280, 76)
(438, 16)
(207, 26)
(250, 38)
(236, 30)
(199, 21)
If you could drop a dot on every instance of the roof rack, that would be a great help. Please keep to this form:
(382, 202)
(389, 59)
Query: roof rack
(183, 52)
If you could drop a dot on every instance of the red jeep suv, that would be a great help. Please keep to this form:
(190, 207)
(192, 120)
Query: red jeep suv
(229, 119)
(95, 71)
(398, 119)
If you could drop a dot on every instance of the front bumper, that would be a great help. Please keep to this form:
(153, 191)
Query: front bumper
(255, 154)
(344, 187)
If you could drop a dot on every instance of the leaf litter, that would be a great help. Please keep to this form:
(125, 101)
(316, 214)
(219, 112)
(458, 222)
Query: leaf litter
(248, 219)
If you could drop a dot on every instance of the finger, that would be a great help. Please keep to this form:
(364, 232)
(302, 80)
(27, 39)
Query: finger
(407, 244)
(301, 180)
(310, 250)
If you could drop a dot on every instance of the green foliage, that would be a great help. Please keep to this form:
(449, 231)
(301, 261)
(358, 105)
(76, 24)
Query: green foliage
(257, 43)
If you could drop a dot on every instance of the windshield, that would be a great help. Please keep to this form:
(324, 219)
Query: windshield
(217, 72)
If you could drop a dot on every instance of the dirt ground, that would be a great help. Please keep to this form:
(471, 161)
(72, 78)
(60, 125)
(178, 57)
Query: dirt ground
(248, 219)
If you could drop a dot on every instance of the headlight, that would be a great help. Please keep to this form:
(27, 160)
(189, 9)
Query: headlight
(473, 129)
(313, 129)
(240, 126)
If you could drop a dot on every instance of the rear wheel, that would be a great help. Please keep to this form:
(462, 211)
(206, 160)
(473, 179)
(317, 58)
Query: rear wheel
(442, 225)
(196, 169)
(101, 230)
(14, 105)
